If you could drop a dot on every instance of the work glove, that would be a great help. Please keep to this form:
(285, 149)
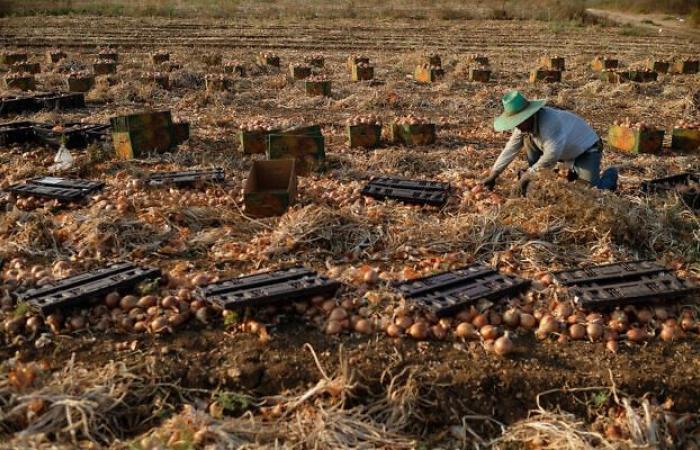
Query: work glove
(490, 181)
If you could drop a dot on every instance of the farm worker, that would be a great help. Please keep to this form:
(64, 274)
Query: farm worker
(549, 136)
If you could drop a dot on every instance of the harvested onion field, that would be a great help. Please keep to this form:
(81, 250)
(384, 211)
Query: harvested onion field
(162, 362)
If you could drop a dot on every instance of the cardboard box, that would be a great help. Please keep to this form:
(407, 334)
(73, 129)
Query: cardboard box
(136, 135)
(427, 75)
(637, 76)
(304, 144)
(547, 76)
(55, 56)
(688, 66)
(80, 84)
(633, 140)
(160, 58)
(364, 135)
(108, 56)
(27, 67)
(659, 66)
(553, 63)
(271, 187)
(273, 61)
(355, 60)
(104, 68)
(480, 75)
(9, 58)
(22, 83)
(254, 142)
(419, 134)
(600, 63)
(685, 139)
(299, 72)
(362, 73)
(318, 88)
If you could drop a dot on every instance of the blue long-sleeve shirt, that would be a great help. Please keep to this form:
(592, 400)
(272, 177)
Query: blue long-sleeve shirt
(560, 135)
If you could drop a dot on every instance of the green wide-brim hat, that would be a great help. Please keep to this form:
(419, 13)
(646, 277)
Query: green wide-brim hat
(517, 109)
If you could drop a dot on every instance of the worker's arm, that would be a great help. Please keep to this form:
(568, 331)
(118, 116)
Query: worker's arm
(514, 145)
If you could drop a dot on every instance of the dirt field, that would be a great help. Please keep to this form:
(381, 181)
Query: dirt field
(122, 389)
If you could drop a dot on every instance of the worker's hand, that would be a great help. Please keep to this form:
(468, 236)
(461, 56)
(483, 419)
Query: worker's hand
(523, 183)
(489, 182)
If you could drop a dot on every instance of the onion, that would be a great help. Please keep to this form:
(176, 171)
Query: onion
(527, 321)
(661, 313)
(503, 345)
(328, 306)
(34, 323)
(511, 318)
(159, 324)
(594, 331)
(644, 315)
(563, 310)
(333, 327)
(418, 330)
(394, 330)
(370, 276)
(128, 302)
(77, 322)
(688, 324)
(147, 301)
(489, 332)
(169, 302)
(439, 332)
(577, 331)
(404, 322)
(338, 314)
(465, 330)
(668, 333)
(363, 326)
(549, 324)
(480, 321)
(636, 335)
(112, 299)
(611, 346)
(202, 314)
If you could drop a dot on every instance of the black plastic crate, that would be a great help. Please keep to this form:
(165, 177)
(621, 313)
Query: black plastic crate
(60, 101)
(186, 178)
(12, 105)
(88, 186)
(17, 133)
(418, 192)
(676, 183)
(270, 288)
(80, 289)
(657, 287)
(76, 135)
(404, 183)
(448, 292)
(620, 284)
(63, 189)
(607, 272)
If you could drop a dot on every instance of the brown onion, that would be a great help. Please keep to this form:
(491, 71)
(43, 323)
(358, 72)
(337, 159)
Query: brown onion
(503, 345)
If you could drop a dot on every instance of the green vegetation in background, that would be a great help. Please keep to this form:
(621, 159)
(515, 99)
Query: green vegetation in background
(548, 10)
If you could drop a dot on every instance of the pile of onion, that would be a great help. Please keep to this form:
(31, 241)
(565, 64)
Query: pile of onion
(365, 119)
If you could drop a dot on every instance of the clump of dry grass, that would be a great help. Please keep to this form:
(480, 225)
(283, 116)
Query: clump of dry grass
(573, 214)
(315, 419)
(112, 234)
(323, 231)
(28, 233)
(79, 404)
(634, 423)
